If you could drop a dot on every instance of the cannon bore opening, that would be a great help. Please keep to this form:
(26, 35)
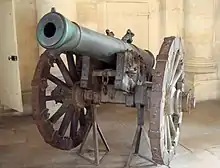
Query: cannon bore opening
(49, 30)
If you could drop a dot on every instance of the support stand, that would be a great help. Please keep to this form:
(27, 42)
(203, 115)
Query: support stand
(137, 139)
(96, 131)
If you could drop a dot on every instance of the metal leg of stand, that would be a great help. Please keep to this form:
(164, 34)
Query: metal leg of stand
(137, 138)
(103, 138)
(137, 147)
(84, 140)
(133, 148)
(96, 130)
(95, 138)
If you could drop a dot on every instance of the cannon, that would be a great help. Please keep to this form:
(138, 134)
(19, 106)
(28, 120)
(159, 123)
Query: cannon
(101, 68)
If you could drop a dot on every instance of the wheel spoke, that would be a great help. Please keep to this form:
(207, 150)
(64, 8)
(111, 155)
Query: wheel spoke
(64, 71)
(172, 101)
(180, 118)
(177, 136)
(58, 82)
(165, 132)
(169, 141)
(175, 66)
(51, 98)
(65, 123)
(180, 83)
(178, 108)
(74, 124)
(72, 67)
(174, 53)
(177, 61)
(176, 77)
(172, 127)
(82, 117)
(58, 114)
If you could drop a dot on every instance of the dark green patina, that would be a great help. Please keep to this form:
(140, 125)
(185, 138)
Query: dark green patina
(54, 31)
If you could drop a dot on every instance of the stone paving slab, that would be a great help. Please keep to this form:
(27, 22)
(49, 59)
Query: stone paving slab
(199, 159)
(22, 147)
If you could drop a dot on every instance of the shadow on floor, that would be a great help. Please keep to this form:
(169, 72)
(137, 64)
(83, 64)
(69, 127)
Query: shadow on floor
(22, 147)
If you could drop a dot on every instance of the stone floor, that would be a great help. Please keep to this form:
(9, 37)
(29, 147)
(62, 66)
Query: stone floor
(22, 147)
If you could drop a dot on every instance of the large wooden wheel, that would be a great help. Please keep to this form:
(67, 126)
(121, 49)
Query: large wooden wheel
(167, 101)
(65, 128)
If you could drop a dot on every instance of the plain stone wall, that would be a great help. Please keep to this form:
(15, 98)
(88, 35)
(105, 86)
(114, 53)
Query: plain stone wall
(196, 21)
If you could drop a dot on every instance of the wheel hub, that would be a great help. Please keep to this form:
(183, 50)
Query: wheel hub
(173, 102)
(78, 96)
(75, 96)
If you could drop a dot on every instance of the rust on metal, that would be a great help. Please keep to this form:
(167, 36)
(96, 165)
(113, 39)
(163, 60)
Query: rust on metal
(168, 101)
(108, 70)
(68, 94)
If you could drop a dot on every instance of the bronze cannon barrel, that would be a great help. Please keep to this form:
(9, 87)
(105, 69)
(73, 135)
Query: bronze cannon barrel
(54, 31)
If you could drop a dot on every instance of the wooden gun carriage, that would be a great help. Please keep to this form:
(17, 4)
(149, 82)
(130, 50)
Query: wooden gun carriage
(104, 69)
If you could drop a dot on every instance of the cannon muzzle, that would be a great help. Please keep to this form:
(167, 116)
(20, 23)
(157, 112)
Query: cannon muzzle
(54, 31)
(118, 73)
